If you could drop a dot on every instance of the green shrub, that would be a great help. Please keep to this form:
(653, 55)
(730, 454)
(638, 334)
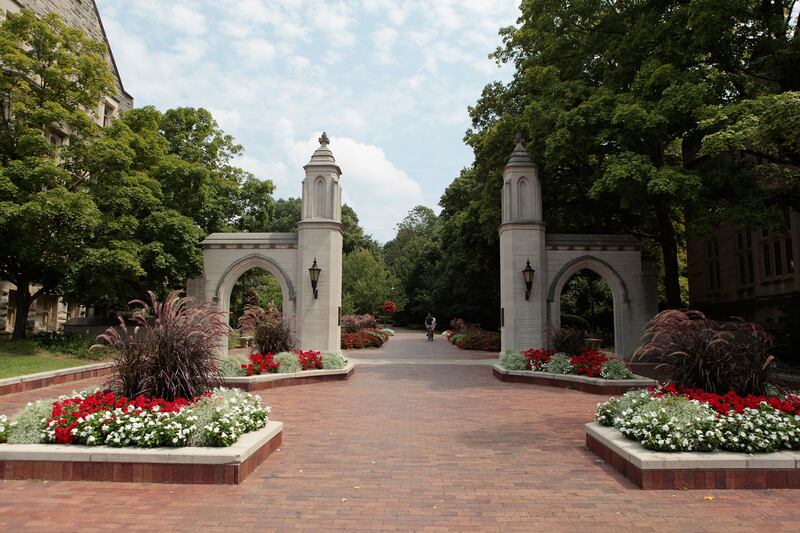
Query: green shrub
(27, 427)
(615, 369)
(74, 345)
(232, 367)
(559, 364)
(514, 361)
(289, 363)
(333, 360)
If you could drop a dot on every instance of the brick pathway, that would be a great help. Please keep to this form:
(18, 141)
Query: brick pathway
(408, 447)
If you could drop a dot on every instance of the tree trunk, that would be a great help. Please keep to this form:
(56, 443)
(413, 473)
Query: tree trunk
(23, 302)
(669, 250)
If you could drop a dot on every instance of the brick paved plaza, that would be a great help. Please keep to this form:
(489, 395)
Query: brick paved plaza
(406, 446)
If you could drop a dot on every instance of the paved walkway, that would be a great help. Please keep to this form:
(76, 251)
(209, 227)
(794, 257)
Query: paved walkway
(408, 447)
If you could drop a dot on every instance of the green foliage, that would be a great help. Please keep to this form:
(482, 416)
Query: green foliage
(333, 360)
(615, 369)
(559, 364)
(611, 96)
(365, 281)
(264, 289)
(27, 425)
(412, 258)
(75, 345)
(587, 297)
(514, 361)
(289, 363)
(232, 367)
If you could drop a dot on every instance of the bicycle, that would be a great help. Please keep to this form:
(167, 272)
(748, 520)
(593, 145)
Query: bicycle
(430, 333)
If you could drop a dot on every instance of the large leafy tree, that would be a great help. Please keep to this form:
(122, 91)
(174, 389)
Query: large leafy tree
(365, 281)
(51, 74)
(412, 258)
(611, 95)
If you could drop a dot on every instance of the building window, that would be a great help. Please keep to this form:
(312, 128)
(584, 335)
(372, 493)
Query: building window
(712, 265)
(778, 255)
(744, 245)
(776, 245)
(108, 115)
(767, 260)
(57, 139)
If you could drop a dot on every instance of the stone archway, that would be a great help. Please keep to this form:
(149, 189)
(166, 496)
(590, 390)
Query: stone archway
(527, 314)
(242, 266)
(619, 293)
(287, 256)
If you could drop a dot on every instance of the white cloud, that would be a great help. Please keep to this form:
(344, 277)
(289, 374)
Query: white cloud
(397, 74)
(384, 39)
(185, 19)
(256, 51)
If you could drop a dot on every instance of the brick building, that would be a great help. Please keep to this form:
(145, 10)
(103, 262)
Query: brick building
(49, 312)
(747, 272)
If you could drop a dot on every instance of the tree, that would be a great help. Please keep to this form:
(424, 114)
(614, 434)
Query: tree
(610, 95)
(50, 75)
(364, 282)
(412, 258)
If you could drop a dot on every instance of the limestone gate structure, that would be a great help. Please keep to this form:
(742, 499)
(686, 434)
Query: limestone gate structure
(289, 257)
(528, 314)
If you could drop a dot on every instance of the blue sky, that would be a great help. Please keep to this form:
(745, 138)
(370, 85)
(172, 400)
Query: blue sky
(389, 80)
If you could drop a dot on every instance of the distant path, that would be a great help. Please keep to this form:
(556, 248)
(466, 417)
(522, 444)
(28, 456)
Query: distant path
(413, 347)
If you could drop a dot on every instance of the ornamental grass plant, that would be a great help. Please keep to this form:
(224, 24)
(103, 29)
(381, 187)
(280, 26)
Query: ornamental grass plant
(718, 357)
(271, 332)
(171, 351)
(570, 341)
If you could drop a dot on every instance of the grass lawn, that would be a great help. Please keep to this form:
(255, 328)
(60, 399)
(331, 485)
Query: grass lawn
(26, 357)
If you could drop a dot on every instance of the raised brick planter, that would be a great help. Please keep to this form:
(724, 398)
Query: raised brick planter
(608, 387)
(53, 377)
(693, 470)
(209, 466)
(269, 381)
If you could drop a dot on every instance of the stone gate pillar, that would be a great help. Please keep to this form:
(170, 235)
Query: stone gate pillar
(522, 239)
(320, 240)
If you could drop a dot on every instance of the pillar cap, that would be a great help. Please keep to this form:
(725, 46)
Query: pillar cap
(520, 156)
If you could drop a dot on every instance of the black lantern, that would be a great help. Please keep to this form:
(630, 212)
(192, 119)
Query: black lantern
(314, 273)
(527, 274)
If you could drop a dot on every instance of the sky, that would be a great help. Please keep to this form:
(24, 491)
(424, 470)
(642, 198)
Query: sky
(390, 81)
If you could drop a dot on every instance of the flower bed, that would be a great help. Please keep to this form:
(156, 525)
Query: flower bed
(589, 363)
(607, 387)
(670, 420)
(283, 363)
(264, 371)
(82, 428)
(487, 341)
(689, 470)
(365, 338)
(93, 418)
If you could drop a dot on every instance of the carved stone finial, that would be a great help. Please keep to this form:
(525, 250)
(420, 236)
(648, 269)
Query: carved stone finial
(519, 139)
(324, 141)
